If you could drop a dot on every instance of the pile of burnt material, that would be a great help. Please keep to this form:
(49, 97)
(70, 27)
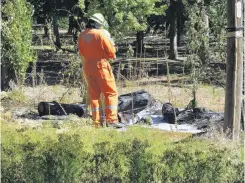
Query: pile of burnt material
(130, 103)
(199, 116)
(140, 106)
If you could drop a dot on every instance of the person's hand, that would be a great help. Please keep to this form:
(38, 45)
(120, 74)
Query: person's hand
(111, 61)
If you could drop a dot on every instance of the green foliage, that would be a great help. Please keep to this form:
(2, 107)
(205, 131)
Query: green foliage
(206, 41)
(81, 4)
(16, 37)
(102, 155)
(73, 74)
(197, 33)
(125, 16)
(218, 41)
(218, 22)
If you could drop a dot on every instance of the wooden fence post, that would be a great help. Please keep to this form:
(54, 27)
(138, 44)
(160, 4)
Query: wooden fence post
(233, 96)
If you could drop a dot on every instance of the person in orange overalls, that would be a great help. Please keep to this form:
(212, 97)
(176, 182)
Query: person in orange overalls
(96, 49)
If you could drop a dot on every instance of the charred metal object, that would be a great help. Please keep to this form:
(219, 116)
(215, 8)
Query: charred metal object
(169, 112)
(135, 101)
(55, 108)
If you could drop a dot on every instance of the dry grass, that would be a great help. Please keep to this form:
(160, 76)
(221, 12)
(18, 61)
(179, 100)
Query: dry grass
(31, 96)
(180, 95)
(210, 97)
(53, 93)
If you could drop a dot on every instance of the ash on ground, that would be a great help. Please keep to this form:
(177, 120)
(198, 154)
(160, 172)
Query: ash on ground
(141, 108)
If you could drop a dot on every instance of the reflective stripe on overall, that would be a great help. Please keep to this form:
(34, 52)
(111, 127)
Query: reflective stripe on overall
(103, 82)
(96, 50)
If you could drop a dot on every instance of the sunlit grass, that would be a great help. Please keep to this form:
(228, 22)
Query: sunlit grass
(208, 96)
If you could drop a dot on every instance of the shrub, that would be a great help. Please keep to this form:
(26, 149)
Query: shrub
(16, 40)
(101, 155)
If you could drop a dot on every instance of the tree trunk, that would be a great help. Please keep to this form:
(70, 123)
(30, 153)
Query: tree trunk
(56, 31)
(179, 30)
(46, 30)
(243, 88)
(204, 52)
(179, 16)
(139, 43)
(71, 24)
(173, 54)
(86, 3)
(7, 74)
(205, 19)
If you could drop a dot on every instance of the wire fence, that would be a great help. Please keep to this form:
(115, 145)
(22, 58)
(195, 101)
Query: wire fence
(166, 79)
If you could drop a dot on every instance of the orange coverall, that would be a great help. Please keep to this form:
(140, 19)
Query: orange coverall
(96, 49)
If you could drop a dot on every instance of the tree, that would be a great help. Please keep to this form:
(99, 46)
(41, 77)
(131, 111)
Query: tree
(54, 13)
(125, 17)
(16, 40)
(205, 37)
(217, 23)
(173, 31)
(176, 20)
(42, 13)
(47, 11)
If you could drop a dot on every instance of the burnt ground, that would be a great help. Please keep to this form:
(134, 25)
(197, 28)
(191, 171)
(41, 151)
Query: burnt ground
(148, 112)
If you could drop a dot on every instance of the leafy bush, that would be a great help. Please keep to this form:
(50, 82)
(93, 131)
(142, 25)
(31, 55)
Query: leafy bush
(101, 155)
(16, 40)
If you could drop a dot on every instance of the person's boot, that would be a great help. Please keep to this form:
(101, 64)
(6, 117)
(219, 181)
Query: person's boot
(115, 125)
